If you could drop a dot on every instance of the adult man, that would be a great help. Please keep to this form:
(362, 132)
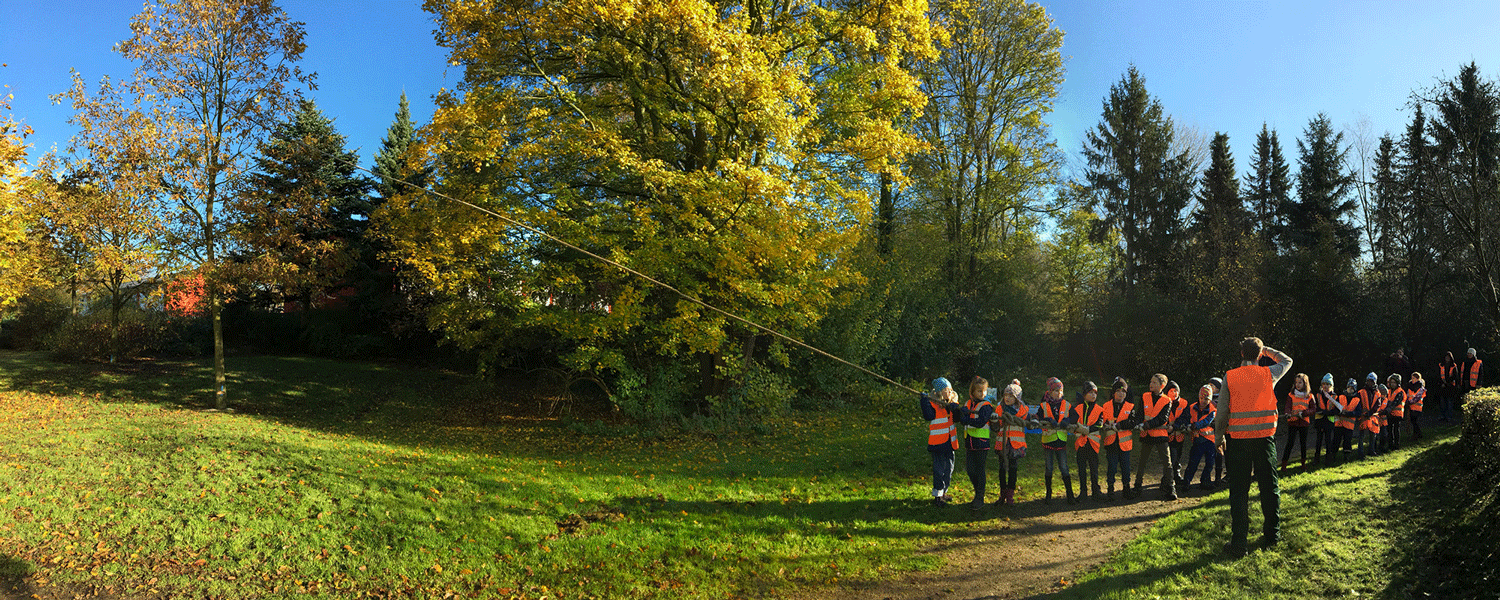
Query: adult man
(1470, 373)
(1247, 416)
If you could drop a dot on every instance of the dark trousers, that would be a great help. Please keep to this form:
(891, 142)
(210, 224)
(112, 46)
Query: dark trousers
(1010, 467)
(1446, 399)
(1174, 451)
(1088, 467)
(1392, 433)
(1156, 447)
(1295, 434)
(1057, 457)
(942, 469)
(1322, 438)
(1116, 459)
(1203, 450)
(1245, 457)
(974, 464)
(1416, 424)
(1343, 440)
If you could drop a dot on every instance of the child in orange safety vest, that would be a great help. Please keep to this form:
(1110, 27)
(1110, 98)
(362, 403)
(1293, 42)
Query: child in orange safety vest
(1349, 408)
(976, 415)
(1395, 411)
(939, 409)
(1118, 432)
(1416, 393)
(1298, 417)
(1086, 414)
(1372, 402)
(1010, 445)
(1053, 414)
(1155, 413)
(1178, 434)
(1200, 416)
(1324, 416)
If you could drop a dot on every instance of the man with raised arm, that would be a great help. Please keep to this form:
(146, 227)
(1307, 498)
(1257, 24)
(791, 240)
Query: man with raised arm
(1247, 416)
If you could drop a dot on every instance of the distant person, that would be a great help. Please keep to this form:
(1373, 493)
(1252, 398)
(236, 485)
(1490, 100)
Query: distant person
(1349, 407)
(1247, 415)
(1298, 419)
(1010, 447)
(1087, 414)
(1398, 363)
(1416, 394)
(1470, 377)
(975, 417)
(1155, 413)
(1447, 387)
(1201, 426)
(1118, 431)
(1371, 401)
(1218, 385)
(1055, 418)
(1178, 434)
(939, 408)
(1395, 410)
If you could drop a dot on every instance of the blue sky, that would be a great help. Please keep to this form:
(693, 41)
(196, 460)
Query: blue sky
(1225, 65)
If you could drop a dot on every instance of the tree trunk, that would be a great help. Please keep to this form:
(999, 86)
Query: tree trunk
(885, 227)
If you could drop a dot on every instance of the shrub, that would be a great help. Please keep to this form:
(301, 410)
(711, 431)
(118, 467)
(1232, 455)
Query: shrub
(90, 337)
(40, 314)
(1481, 431)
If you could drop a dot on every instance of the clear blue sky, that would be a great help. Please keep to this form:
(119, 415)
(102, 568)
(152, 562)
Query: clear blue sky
(1215, 65)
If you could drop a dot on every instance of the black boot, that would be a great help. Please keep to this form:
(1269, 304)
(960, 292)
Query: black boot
(1068, 487)
(1109, 493)
(1048, 499)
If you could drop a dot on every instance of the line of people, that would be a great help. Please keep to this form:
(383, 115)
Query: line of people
(1361, 421)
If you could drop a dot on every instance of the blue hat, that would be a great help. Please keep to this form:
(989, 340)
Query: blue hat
(1352, 383)
(940, 384)
(1372, 377)
(1328, 378)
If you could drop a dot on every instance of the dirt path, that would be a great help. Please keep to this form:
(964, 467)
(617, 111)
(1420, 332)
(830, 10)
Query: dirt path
(1049, 543)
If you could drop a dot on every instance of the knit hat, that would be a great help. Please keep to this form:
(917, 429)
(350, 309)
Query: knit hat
(1372, 377)
(1472, 352)
(1014, 388)
(1054, 383)
(1396, 377)
(1118, 385)
(940, 384)
(1089, 386)
(1328, 378)
(1218, 383)
(1352, 383)
(1210, 389)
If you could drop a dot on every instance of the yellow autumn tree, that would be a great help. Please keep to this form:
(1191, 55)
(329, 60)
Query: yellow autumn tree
(725, 147)
(19, 267)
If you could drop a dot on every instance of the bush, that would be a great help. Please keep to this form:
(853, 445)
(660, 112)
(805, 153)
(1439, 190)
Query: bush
(90, 337)
(39, 316)
(1481, 431)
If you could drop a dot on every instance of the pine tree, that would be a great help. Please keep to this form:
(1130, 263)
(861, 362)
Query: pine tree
(1466, 157)
(1323, 186)
(1143, 185)
(1268, 184)
(391, 160)
(1219, 203)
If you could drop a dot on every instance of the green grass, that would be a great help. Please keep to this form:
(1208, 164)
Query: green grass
(355, 479)
(1401, 525)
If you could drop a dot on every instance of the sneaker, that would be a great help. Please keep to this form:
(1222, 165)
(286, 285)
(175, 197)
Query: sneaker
(1169, 496)
(939, 502)
(1234, 551)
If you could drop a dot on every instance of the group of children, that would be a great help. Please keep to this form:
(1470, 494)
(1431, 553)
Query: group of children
(1162, 421)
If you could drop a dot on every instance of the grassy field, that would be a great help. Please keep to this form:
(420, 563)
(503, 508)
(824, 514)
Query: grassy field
(1401, 525)
(357, 479)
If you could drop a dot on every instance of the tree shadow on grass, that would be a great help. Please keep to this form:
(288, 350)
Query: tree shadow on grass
(13, 577)
(1451, 521)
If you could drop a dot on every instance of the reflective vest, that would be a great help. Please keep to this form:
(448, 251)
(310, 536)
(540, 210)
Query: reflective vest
(1396, 404)
(1448, 375)
(1123, 436)
(1178, 408)
(940, 430)
(1373, 403)
(1474, 373)
(1014, 434)
(1323, 402)
(1299, 405)
(1153, 407)
(1196, 414)
(1049, 434)
(1252, 402)
(1351, 404)
(978, 432)
(1087, 418)
(1414, 399)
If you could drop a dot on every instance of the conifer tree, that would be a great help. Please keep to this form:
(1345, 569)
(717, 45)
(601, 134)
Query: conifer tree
(1268, 185)
(1323, 186)
(391, 160)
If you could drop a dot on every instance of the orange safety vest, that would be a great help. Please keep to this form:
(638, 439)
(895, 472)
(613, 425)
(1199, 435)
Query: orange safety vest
(1351, 403)
(1376, 403)
(1013, 434)
(1178, 407)
(941, 429)
(1448, 375)
(1153, 408)
(1474, 373)
(1414, 399)
(1123, 436)
(1087, 420)
(1195, 414)
(1396, 405)
(1050, 432)
(1252, 402)
(1298, 406)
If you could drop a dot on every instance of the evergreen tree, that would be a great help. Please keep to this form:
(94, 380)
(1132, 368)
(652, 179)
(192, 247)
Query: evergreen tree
(1387, 230)
(304, 207)
(1268, 184)
(1466, 157)
(1323, 186)
(391, 160)
(1143, 186)
(1219, 205)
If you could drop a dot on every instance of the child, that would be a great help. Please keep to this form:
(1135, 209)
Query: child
(1178, 431)
(976, 415)
(1155, 413)
(1087, 413)
(1117, 432)
(938, 409)
(1297, 419)
(1416, 393)
(1218, 385)
(1054, 418)
(1372, 402)
(1348, 406)
(1011, 445)
(1324, 415)
(1201, 423)
(1395, 411)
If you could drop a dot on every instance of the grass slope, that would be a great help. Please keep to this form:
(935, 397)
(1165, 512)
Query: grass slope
(1398, 525)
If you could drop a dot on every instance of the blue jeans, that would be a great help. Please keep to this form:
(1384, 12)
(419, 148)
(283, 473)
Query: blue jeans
(942, 469)
(1117, 459)
(1202, 450)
